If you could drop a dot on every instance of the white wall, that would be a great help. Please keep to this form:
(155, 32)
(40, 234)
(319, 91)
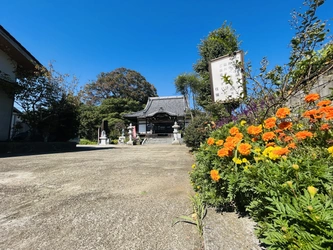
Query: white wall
(7, 69)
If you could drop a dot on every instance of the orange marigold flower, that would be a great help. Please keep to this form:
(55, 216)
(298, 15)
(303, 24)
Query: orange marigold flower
(281, 151)
(239, 136)
(324, 103)
(325, 110)
(287, 139)
(313, 114)
(285, 125)
(268, 136)
(254, 130)
(210, 141)
(271, 144)
(324, 127)
(214, 174)
(244, 148)
(270, 123)
(219, 142)
(223, 152)
(233, 131)
(292, 145)
(312, 97)
(282, 112)
(303, 135)
(329, 115)
(230, 145)
(255, 139)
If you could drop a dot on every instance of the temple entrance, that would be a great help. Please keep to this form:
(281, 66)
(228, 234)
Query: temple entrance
(162, 128)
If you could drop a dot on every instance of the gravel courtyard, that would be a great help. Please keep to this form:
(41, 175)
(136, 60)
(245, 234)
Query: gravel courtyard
(118, 197)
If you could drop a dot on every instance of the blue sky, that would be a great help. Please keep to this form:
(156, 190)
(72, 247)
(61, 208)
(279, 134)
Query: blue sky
(158, 39)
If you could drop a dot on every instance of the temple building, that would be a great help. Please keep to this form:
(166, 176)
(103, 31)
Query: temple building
(160, 114)
(13, 56)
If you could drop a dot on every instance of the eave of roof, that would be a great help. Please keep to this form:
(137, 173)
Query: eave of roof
(149, 113)
(16, 51)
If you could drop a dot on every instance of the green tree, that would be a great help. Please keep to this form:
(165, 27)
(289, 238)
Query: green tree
(111, 110)
(220, 42)
(187, 84)
(45, 98)
(121, 82)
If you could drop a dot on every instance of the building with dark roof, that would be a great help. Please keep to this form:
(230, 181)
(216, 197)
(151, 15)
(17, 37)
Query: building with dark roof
(13, 56)
(160, 114)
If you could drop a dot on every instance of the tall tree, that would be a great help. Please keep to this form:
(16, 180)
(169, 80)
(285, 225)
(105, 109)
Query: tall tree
(220, 42)
(121, 82)
(187, 84)
(45, 99)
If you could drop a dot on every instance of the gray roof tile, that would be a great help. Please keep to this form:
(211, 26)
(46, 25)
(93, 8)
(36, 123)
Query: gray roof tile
(172, 105)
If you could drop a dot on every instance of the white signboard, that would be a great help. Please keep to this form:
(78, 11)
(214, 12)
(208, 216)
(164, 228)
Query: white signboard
(226, 67)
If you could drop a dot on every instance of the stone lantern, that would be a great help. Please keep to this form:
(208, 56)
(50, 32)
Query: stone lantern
(175, 134)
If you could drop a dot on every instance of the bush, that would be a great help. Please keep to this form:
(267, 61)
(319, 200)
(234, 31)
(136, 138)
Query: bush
(198, 131)
(87, 142)
(280, 172)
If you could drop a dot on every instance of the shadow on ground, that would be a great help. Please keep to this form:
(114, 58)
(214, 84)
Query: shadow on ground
(29, 149)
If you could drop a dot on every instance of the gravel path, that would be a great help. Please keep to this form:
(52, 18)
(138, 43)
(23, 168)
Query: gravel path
(110, 198)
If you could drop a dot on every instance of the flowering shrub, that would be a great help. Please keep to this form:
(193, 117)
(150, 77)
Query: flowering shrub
(280, 172)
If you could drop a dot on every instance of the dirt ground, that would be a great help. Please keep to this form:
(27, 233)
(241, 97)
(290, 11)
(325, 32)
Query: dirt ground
(122, 197)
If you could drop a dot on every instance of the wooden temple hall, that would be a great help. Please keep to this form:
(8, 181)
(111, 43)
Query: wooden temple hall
(159, 116)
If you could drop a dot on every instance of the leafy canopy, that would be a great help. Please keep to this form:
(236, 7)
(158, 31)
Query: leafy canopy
(121, 82)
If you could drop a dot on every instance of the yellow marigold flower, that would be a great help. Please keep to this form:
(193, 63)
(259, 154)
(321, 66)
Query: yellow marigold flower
(254, 130)
(237, 160)
(282, 113)
(311, 98)
(244, 148)
(233, 130)
(214, 174)
(219, 142)
(210, 141)
(295, 166)
(290, 184)
(257, 150)
(244, 160)
(193, 166)
(330, 150)
(268, 136)
(312, 191)
(258, 159)
(267, 151)
(242, 123)
(273, 156)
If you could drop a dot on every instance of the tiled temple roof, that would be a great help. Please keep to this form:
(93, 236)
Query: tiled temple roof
(172, 105)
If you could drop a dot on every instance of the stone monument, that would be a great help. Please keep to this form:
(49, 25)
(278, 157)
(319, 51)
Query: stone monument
(121, 139)
(130, 128)
(103, 138)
